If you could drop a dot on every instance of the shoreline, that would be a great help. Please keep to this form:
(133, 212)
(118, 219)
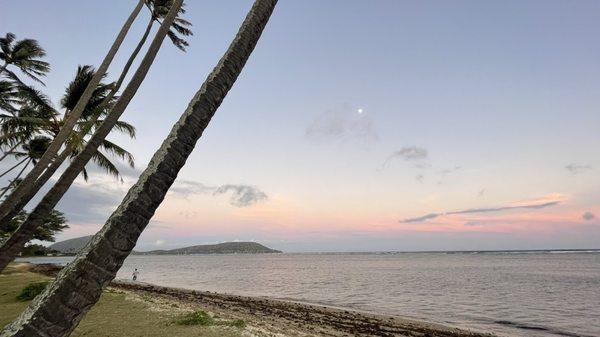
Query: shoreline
(284, 316)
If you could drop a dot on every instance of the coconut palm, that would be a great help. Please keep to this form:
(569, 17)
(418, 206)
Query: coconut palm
(58, 310)
(28, 190)
(36, 116)
(158, 9)
(15, 243)
(8, 93)
(32, 151)
(180, 27)
(23, 54)
(70, 121)
(29, 112)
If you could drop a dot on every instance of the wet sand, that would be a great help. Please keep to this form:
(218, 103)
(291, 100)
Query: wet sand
(270, 317)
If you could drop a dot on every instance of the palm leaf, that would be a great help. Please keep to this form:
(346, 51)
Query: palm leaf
(119, 152)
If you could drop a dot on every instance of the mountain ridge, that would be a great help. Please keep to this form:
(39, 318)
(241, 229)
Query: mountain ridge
(72, 246)
(219, 248)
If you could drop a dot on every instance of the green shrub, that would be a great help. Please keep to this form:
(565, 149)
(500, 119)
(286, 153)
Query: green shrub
(202, 318)
(31, 291)
(238, 323)
(196, 318)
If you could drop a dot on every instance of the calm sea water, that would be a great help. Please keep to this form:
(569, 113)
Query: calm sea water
(510, 294)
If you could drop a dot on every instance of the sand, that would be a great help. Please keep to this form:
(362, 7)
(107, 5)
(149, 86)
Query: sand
(273, 317)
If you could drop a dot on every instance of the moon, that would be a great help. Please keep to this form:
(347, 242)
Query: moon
(360, 111)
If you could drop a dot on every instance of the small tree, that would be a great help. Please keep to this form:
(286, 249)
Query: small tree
(53, 224)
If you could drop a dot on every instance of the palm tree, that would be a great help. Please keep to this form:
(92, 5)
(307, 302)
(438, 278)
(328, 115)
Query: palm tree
(97, 107)
(78, 287)
(15, 243)
(26, 192)
(33, 150)
(8, 95)
(23, 54)
(159, 9)
(29, 112)
(72, 118)
(37, 117)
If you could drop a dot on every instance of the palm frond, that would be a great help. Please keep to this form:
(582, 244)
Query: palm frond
(119, 152)
(104, 163)
(159, 9)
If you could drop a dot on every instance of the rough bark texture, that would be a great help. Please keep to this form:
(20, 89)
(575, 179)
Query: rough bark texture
(57, 311)
(11, 247)
(70, 120)
(58, 161)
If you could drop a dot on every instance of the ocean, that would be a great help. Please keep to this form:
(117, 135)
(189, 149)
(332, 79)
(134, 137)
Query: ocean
(541, 294)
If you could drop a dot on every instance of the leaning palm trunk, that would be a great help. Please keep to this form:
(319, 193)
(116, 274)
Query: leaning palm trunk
(70, 119)
(57, 311)
(11, 247)
(60, 159)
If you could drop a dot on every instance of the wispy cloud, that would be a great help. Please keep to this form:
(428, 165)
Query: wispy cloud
(343, 123)
(417, 156)
(411, 153)
(185, 188)
(536, 205)
(575, 168)
(242, 195)
(588, 216)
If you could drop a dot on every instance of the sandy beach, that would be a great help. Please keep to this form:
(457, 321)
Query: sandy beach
(270, 317)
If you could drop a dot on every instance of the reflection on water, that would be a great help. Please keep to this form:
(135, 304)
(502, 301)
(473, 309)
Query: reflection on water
(533, 294)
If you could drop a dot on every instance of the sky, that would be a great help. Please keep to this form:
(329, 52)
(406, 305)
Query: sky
(357, 125)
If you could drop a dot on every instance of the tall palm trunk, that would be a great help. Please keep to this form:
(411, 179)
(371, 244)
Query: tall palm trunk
(14, 181)
(13, 167)
(70, 119)
(57, 311)
(24, 233)
(60, 159)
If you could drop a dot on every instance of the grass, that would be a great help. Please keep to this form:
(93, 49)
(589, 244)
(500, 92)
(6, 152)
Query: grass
(115, 315)
(204, 319)
(31, 291)
(196, 318)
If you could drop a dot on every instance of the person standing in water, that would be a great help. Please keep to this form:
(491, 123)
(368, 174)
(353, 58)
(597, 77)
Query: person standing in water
(135, 274)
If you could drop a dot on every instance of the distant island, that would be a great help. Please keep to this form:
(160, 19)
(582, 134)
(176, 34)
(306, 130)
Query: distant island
(220, 248)
(73, 246)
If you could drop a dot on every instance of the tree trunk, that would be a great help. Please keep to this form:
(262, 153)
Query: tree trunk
(7, 188)
(70, 119)
(130, 62)
(23, 234)
(49, 172)
(58, 310)
(31, 193)
(12, 168)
